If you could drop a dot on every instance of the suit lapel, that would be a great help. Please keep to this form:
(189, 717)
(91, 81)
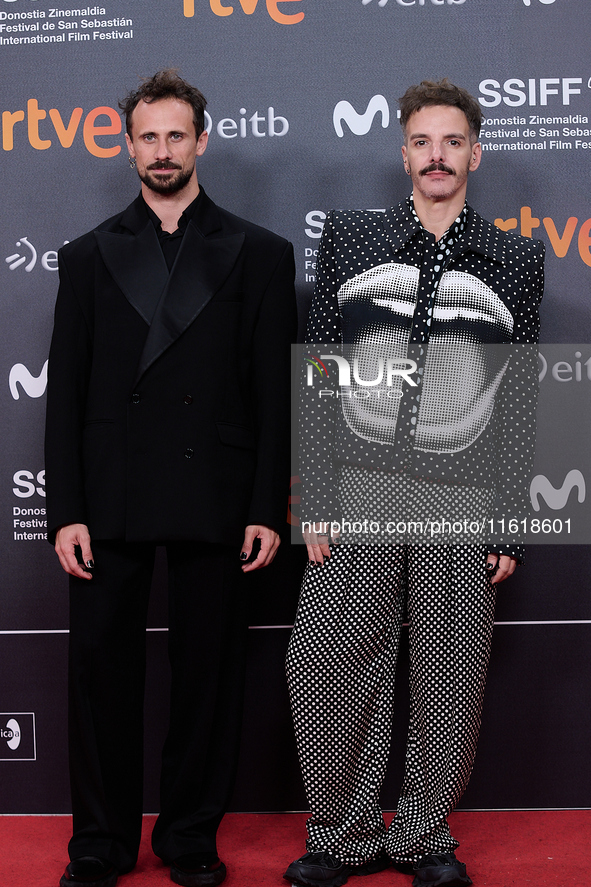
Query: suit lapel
(204, 261)
(135, 261)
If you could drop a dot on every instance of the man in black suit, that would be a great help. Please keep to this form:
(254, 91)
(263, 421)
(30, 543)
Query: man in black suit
(167, 423)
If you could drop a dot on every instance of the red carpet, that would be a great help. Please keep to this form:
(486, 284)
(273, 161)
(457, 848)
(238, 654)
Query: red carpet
(501, 850)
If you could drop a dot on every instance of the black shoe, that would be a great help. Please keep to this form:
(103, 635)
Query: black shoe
(440, 869)
(321, 869)
(89, 871)
(198, 870)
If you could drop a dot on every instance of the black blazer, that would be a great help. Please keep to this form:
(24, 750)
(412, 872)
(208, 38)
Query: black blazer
(168, 394)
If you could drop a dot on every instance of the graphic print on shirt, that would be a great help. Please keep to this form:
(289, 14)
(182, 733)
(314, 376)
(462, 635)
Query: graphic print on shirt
(460, 373)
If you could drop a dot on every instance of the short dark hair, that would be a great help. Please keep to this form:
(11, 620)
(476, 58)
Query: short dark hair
(166, 84)
(441, 92)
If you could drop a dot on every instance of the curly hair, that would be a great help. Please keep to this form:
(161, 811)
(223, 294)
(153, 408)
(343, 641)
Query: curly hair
(442, 92)
(165, 84)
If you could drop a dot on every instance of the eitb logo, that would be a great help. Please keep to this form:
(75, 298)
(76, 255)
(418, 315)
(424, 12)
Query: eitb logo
(17, 736)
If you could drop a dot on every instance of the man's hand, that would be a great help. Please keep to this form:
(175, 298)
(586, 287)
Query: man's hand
(500, 567)
(269, 540)
(66, 540)
(317, 540)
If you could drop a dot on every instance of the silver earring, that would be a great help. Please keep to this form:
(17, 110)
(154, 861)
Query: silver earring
(131, 162)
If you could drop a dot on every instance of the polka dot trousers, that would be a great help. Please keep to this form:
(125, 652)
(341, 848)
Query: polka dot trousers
(341, 664)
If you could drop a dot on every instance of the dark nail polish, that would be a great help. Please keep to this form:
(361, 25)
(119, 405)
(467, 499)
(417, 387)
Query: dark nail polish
(243, 556)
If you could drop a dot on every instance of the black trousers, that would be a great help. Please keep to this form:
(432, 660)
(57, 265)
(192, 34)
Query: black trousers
(207, 647)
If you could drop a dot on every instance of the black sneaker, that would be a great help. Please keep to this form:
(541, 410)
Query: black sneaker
(321, 869)
(440, 869)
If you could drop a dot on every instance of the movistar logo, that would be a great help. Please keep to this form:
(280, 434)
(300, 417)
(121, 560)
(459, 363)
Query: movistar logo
(557, 497)
(34, 386)
(360, 124)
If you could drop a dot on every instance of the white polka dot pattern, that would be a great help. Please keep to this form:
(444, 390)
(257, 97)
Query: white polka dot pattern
(341, 663)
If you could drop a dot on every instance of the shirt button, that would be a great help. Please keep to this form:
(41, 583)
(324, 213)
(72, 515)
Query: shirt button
(135, 398)
(188, 398)
(189, 453)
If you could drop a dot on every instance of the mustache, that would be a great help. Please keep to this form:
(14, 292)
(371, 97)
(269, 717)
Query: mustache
(164, 164)
(441, 167)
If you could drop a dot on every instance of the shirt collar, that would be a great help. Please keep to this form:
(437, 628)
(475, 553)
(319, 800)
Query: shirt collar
(402, 224)
(455, 231)
(186, 215)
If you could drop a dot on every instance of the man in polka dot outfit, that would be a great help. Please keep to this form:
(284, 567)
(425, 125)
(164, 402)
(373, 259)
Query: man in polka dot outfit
(431, 280)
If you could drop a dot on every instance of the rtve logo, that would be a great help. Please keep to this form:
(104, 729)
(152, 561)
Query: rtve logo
(66, 130)
(248, 7)
(561, 236)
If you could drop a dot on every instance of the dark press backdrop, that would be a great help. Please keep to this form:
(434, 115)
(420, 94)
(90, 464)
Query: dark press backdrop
(303, 117)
